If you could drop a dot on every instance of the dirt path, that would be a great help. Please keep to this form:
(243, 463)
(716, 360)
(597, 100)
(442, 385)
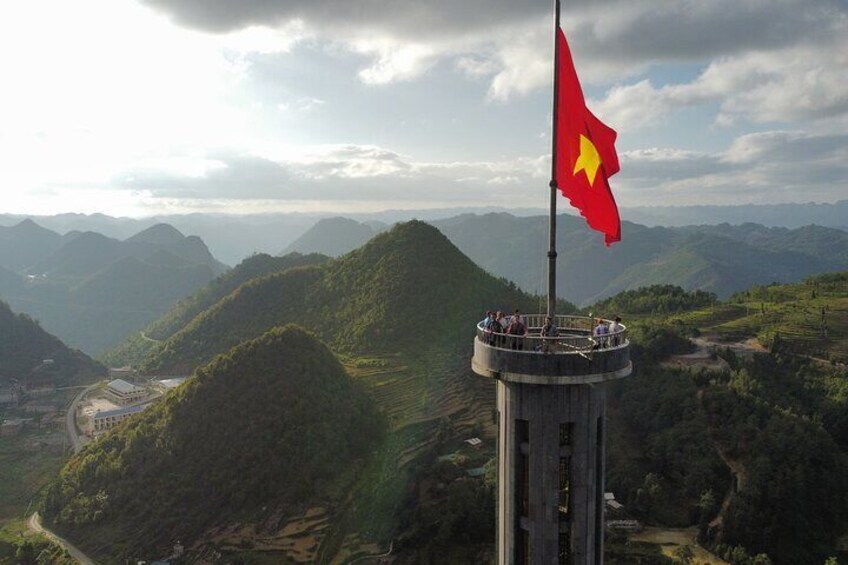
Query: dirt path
(34, 524)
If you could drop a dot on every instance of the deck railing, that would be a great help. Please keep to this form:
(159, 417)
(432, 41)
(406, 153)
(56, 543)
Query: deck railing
(574, 335)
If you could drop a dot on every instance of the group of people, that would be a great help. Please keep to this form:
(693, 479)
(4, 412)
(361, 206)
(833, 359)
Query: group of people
(496, 324)
(503, 331)
(607, 335)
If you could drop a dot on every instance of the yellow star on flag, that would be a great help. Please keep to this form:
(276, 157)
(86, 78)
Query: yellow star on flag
(589, 160)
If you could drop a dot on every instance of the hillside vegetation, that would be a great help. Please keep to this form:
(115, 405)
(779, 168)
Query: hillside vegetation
(273, 425)
(402, 311)
(137, 346)
(408, 288)
(24, 346)
(751, 447)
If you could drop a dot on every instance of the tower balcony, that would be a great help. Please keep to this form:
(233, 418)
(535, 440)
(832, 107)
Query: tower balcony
(574, 356)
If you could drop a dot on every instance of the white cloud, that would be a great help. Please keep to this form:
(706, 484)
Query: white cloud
(798, 83)
(767, 167)
(394, 61)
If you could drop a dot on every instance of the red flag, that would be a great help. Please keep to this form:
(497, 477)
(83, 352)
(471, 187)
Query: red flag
(585, 152)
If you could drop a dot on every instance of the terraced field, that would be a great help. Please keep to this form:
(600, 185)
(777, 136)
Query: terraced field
(420, 395)
(809, 318)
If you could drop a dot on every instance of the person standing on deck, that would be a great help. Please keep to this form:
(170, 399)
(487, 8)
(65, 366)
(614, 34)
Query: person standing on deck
(600, 334)
(549, 330)
(615, 331)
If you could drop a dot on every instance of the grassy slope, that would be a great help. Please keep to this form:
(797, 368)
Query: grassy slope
(794, 311)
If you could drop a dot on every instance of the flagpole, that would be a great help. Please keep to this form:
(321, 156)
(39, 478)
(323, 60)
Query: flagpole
(552, 254)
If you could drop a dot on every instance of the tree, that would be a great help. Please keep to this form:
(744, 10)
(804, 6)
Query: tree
(26, 554)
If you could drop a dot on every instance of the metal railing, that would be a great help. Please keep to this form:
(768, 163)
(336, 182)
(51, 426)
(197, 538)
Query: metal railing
(574, 335)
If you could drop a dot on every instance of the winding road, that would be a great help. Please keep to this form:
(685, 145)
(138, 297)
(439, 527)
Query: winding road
(71, 415)
(34, 524)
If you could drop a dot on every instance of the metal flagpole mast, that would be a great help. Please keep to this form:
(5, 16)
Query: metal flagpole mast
(552, 254)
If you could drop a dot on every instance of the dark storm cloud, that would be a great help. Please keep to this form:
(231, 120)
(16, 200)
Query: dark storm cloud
(630, 29)
(697, 29)
(402, 18)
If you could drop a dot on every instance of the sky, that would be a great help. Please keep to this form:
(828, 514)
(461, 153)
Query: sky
(143, 107)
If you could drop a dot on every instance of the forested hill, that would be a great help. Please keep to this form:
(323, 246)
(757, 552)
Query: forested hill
(406, 289)
(742, 431)
(24, 347)
(138, 345)
(273, 425)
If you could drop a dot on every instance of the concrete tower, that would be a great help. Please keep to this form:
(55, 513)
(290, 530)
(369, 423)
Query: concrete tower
(552, 431)
(551, 384)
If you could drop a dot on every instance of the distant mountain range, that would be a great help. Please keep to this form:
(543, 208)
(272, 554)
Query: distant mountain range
(774, 215)
(31, 357)
(722, 259)
(92, 290)
(232, 238)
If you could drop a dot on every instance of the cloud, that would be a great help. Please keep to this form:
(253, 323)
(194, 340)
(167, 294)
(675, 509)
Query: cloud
(345, 173)
(777, 166)
(803, 82)
(511, 41)
(767, 167)
(415, 19)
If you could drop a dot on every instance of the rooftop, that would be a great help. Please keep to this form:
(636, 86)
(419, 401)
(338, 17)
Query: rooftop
(121, 411)
(122, 386)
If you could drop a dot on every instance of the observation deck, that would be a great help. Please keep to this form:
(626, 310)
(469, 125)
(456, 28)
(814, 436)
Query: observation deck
(573, 357)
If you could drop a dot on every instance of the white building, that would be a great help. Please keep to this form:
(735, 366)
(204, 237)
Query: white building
(125, 393)
(108, 419)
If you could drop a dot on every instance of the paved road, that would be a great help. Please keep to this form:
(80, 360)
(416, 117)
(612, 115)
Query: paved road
(70, 418)
(35, 525)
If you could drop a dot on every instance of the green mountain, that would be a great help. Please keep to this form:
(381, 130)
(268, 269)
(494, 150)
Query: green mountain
(406, 288)
(138, 345)
(722, 259)
(334, 236)
(401, 312)
(93, 290)
(272, 426)
(24, 348)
